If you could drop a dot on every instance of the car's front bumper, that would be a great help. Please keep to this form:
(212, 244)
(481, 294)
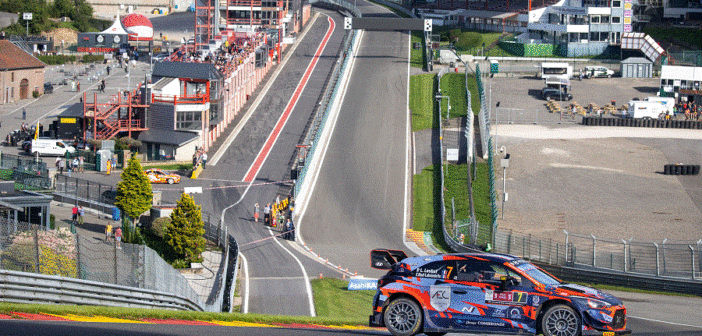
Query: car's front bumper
(376, 320)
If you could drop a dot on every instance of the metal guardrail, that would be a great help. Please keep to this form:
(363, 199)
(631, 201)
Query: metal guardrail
(22, 287)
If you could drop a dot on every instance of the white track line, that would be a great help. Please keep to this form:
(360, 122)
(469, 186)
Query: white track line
(245, 301)
(325, 139)
(666, 322)
(308, 284)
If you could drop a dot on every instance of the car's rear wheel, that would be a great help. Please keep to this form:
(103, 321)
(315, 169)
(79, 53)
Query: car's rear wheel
(403, 317)
(560, 320)
(170, 181)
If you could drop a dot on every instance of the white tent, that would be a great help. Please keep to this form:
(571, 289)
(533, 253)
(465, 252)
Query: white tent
(116, 28)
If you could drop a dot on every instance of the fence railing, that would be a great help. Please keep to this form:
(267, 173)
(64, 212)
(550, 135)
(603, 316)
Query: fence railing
(23, 163)
(89, 194)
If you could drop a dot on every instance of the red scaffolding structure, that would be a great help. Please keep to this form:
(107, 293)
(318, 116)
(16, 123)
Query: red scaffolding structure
(123, 113)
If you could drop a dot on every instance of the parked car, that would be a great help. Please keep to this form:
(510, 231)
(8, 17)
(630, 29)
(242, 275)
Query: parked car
(555, 94)
(160, 176)
(160, 57)
(598, 71)
(48, 88)
(485, 293)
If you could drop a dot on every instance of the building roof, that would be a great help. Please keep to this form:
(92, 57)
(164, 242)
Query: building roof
(681, 72)
(176, 138)
(636, 60)
(74, 110)
(186, 70)
(13, 57)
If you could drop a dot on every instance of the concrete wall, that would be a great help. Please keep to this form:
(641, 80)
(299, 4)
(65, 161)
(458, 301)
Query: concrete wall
(10, 82)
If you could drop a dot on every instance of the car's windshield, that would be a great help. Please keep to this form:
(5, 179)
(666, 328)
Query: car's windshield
(537, 274)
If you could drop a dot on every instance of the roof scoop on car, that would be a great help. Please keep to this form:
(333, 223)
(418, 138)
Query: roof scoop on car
(383, 259)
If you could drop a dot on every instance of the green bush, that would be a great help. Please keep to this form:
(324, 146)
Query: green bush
(56, 59)
(52, 221)
(468, 40)
(159, 226)
(35, 94)
(180, 263)
(93, 58)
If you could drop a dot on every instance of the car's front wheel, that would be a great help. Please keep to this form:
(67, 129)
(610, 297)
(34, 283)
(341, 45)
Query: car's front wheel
(560, 320)
(170, 181)
(403, 317)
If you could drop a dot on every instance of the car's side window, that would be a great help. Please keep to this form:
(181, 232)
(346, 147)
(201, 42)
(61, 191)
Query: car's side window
(473, 270)
(444, 269)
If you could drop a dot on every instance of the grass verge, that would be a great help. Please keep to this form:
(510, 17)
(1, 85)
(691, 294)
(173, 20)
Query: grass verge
(329, 292)
(417, 55)
(453, 86)
(174, 166)
(421, 102)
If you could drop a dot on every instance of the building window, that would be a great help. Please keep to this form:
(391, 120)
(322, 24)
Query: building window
(604, 19)
(595, 19)
(616, 3)
(12, 78)
(189, 120)
(214, 112)
(616, 19)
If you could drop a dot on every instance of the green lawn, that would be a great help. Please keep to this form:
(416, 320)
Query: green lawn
(417, 55)
(421, 101)
(481, 198)
(174, 166)
(453, 85)
(328, 293)
(423, 204)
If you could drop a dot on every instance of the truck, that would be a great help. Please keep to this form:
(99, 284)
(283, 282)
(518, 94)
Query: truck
(647, 109)
(556, 69)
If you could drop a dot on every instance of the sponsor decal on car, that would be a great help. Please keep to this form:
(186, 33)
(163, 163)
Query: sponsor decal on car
(506, 297)
(440, 297)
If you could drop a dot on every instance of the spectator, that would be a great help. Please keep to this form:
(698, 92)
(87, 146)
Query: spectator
(108, 232)
(118, 237)
(74, 215)
(62, 166)
(204, 160)
(267, 214)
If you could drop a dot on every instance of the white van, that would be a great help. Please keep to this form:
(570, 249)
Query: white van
(646, 109)
(598, 71)
(51, 147)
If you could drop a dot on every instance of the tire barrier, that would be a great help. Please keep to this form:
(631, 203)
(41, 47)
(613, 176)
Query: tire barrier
(681, 169)
(650, 123)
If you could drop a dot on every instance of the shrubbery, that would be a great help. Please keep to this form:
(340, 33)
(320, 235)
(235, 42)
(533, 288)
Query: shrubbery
(159, 226)
(57, 59)
(57, 254)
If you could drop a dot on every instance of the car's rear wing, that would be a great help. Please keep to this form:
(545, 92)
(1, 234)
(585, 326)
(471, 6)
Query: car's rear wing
(383, 259)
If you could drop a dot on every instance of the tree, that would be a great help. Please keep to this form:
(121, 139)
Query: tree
(184, 235)
(134, 195)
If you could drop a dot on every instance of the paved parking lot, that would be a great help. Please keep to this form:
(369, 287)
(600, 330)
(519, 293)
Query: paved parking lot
(520, 102)
(604, 181)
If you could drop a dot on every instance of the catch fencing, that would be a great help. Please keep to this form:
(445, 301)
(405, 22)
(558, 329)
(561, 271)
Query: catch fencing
(681, 260)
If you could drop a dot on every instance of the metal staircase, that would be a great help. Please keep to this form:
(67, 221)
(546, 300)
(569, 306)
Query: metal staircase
(123, 113)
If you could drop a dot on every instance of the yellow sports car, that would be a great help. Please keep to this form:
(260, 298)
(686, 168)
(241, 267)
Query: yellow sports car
(160, 176)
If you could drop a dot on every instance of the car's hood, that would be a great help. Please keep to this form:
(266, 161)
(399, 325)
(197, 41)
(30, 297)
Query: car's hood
(589, 292)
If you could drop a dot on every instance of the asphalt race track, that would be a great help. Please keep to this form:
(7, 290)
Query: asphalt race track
(358, 201)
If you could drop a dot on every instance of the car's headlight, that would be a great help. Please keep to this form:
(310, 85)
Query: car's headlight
(594, 303)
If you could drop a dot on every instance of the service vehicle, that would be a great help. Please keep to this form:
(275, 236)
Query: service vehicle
(483, 293)
(598, 71)
(50, 147)
(48, 88)
(647, 109)
(556, 69)
(159, 176)
(555, 94)
(669, 102)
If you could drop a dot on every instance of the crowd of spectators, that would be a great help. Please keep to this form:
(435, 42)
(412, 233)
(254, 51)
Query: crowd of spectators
(225, 58)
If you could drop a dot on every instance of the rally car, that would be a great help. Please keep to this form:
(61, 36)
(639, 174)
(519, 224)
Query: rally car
(160, 176)
(486, 293)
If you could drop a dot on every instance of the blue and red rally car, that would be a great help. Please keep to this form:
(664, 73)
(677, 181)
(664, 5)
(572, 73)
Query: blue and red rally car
(486, 293)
